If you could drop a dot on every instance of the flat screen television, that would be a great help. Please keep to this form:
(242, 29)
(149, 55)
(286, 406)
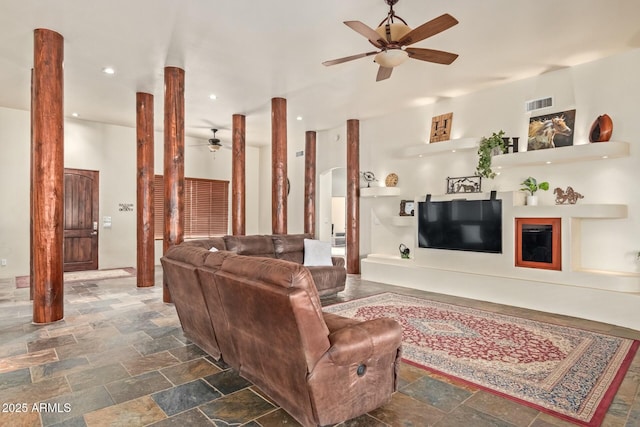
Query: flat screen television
(461, 225)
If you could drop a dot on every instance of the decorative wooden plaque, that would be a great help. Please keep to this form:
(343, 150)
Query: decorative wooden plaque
(441, 128)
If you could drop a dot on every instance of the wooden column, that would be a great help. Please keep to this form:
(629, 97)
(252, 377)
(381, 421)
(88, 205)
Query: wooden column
(145, 191)
(353, 197)
(279, 165)
(173, 162)
(48, 177)
(32, 184)
(238, 181)
(310, 182)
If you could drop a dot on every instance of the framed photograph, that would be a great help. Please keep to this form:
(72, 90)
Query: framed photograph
(441, 128)
(407, 208)
(551, 130)
(464, 184)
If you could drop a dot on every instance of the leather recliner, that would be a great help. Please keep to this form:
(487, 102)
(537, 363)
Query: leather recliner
(267, 320)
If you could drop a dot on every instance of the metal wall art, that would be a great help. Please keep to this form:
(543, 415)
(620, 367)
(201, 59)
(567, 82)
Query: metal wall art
(568, 196)
(464, 184)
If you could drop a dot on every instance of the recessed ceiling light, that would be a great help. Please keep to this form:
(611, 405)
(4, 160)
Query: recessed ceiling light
(213, 96)
(453, 151)
(605, 157)
(75, 114)
(108, 70)
(299, 118)
(548, 162)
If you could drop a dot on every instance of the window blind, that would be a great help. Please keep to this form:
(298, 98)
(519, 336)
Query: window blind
(206, 207)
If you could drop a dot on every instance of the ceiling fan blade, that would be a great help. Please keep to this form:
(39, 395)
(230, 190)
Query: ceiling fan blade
(431, 55)
(366, 31)
(428, 29)
(348, 58)
(383, 73)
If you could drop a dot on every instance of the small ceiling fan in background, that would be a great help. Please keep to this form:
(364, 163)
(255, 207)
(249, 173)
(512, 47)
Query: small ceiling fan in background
(392, 38)
(214, 144)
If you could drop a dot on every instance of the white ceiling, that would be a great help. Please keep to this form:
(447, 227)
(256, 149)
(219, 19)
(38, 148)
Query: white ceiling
(249, 51)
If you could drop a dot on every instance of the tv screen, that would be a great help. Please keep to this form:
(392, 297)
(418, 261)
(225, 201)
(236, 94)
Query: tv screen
(461, 225)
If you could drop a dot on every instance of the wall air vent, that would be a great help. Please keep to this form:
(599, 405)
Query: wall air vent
(536, 104)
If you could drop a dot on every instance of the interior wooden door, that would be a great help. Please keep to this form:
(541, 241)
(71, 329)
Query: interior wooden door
(80, 220)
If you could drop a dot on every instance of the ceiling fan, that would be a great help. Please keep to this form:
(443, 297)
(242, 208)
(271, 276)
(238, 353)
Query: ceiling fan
(214, 143)
(392, 39)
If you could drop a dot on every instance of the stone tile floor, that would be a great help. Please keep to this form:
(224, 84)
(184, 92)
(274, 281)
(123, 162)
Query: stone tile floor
(119, 358)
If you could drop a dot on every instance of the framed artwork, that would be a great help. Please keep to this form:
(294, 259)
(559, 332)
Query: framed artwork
(441, 128)
(551, 130)
(464, 184)
(407, 208)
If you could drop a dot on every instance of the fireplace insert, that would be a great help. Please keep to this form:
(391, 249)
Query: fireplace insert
(538, 243)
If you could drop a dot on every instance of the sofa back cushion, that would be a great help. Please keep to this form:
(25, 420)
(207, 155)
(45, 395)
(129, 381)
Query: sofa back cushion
(290, 247)
(257, 245)
(276, 323)
(180, 265)
(206, 274)
(283, 278)
(212, 242)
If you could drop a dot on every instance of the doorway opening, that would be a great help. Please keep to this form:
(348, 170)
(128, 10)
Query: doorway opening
(332, 209)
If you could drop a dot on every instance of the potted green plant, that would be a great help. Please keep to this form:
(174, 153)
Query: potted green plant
(488, 147)
(531, 185)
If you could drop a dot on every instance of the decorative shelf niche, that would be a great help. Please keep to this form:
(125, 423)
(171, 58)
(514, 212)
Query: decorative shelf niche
(569, 154)
(380, 192)
(453, 145)
(403, 221)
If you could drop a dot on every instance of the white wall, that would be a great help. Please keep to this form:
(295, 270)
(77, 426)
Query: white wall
(15, 150)
(111, 150)
(606, 86)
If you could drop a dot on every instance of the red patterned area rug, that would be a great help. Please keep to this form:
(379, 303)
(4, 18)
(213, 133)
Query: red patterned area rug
(569, 373)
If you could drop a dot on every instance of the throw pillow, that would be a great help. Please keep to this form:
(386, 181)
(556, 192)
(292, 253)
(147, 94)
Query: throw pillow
(317, 253)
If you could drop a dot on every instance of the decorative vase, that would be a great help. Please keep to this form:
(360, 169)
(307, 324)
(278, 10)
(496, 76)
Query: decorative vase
(601, 129)
(532, 200)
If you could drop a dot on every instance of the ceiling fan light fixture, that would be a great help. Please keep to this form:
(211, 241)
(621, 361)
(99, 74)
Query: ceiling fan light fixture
(391, 58)
(214, 147)
(393, 31)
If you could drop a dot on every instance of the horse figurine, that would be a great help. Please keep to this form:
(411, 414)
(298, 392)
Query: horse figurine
(542, 133)
(567, 196)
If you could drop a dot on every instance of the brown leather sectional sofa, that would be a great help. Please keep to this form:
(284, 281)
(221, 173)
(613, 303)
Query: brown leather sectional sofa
(328, 279)
(263, 316)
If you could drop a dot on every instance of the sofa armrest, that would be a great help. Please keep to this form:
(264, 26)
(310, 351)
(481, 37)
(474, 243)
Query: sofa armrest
(337, 261)
(359, 342)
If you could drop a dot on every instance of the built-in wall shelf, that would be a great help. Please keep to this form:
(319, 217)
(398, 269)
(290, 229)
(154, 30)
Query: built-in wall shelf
(603, 211)
(380, 192)
(569, 154)
(403, 221)
(453, 145)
